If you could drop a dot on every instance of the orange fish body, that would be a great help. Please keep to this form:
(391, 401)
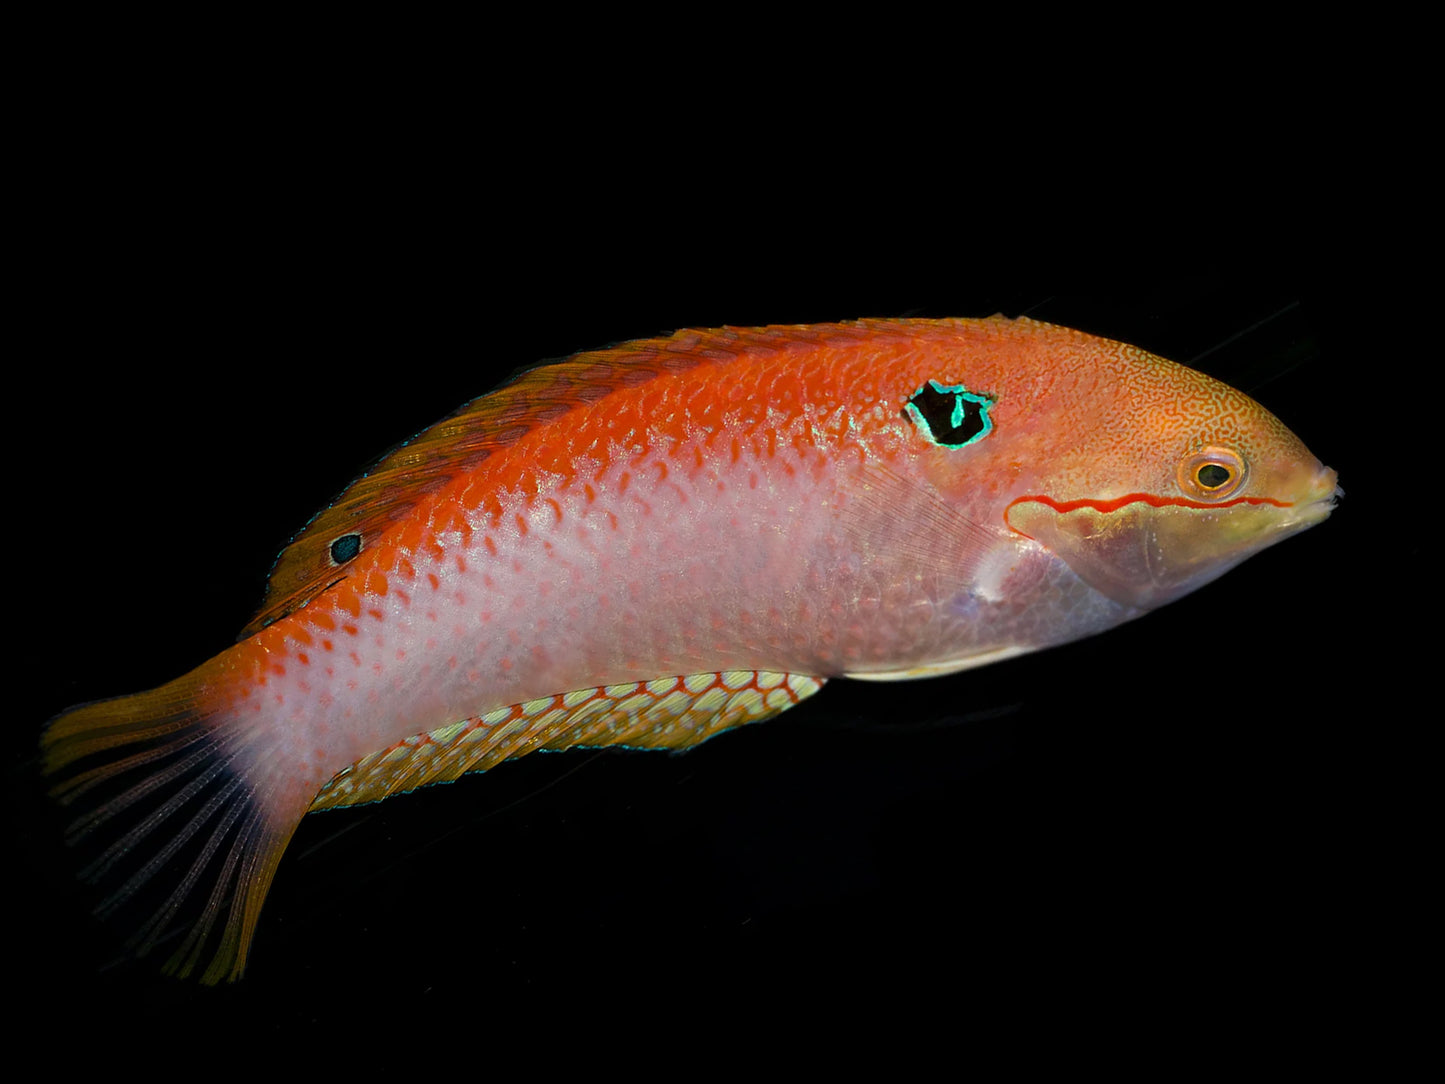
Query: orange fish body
(650, 544)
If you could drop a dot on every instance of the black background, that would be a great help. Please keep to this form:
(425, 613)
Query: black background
(1183, 828)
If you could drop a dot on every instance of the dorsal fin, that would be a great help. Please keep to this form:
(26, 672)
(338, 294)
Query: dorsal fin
(325, 549)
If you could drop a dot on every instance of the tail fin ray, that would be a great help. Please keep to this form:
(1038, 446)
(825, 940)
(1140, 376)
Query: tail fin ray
(184, 818)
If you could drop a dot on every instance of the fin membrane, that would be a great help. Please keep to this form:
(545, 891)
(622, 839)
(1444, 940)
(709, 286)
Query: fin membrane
(184, 815)
(182, 844)
(670, 713)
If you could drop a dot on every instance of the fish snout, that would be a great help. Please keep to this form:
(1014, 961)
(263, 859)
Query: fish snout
(1323, 494)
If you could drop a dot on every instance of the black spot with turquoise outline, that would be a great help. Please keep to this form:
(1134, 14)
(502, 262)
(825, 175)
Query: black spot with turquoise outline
(949, 415)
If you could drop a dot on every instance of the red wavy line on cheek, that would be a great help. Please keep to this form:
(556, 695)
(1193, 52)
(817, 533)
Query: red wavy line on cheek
(1142, 498)
(1132, 498)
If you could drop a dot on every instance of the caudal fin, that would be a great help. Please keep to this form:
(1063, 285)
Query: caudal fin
(182, 840)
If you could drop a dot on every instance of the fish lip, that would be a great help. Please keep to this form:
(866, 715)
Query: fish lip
(1318, 509)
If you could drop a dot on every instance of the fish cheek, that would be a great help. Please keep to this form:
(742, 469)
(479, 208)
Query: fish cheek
(1144, 556)
(1114, 552)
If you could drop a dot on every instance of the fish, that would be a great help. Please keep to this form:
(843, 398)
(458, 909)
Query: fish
(651, 544)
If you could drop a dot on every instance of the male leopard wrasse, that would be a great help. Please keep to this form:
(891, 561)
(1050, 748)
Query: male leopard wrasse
(650, 544)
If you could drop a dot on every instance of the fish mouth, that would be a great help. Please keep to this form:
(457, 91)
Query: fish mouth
(1325, 494)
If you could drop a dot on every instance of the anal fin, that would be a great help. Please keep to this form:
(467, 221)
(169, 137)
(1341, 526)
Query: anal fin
(668, 713)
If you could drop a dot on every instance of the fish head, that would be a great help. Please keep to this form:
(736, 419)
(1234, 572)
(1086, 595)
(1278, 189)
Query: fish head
(1166, 484)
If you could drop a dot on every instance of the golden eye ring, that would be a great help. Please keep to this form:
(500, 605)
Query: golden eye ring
(1212, 474)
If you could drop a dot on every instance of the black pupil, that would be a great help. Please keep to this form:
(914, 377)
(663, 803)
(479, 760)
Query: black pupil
(1212, 475)
(345, 548)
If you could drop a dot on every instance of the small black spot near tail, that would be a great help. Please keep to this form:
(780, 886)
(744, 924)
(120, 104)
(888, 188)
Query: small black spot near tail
(345, 548)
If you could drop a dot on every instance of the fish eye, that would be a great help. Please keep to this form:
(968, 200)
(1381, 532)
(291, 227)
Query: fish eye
(949, 415)
(1211, 474)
